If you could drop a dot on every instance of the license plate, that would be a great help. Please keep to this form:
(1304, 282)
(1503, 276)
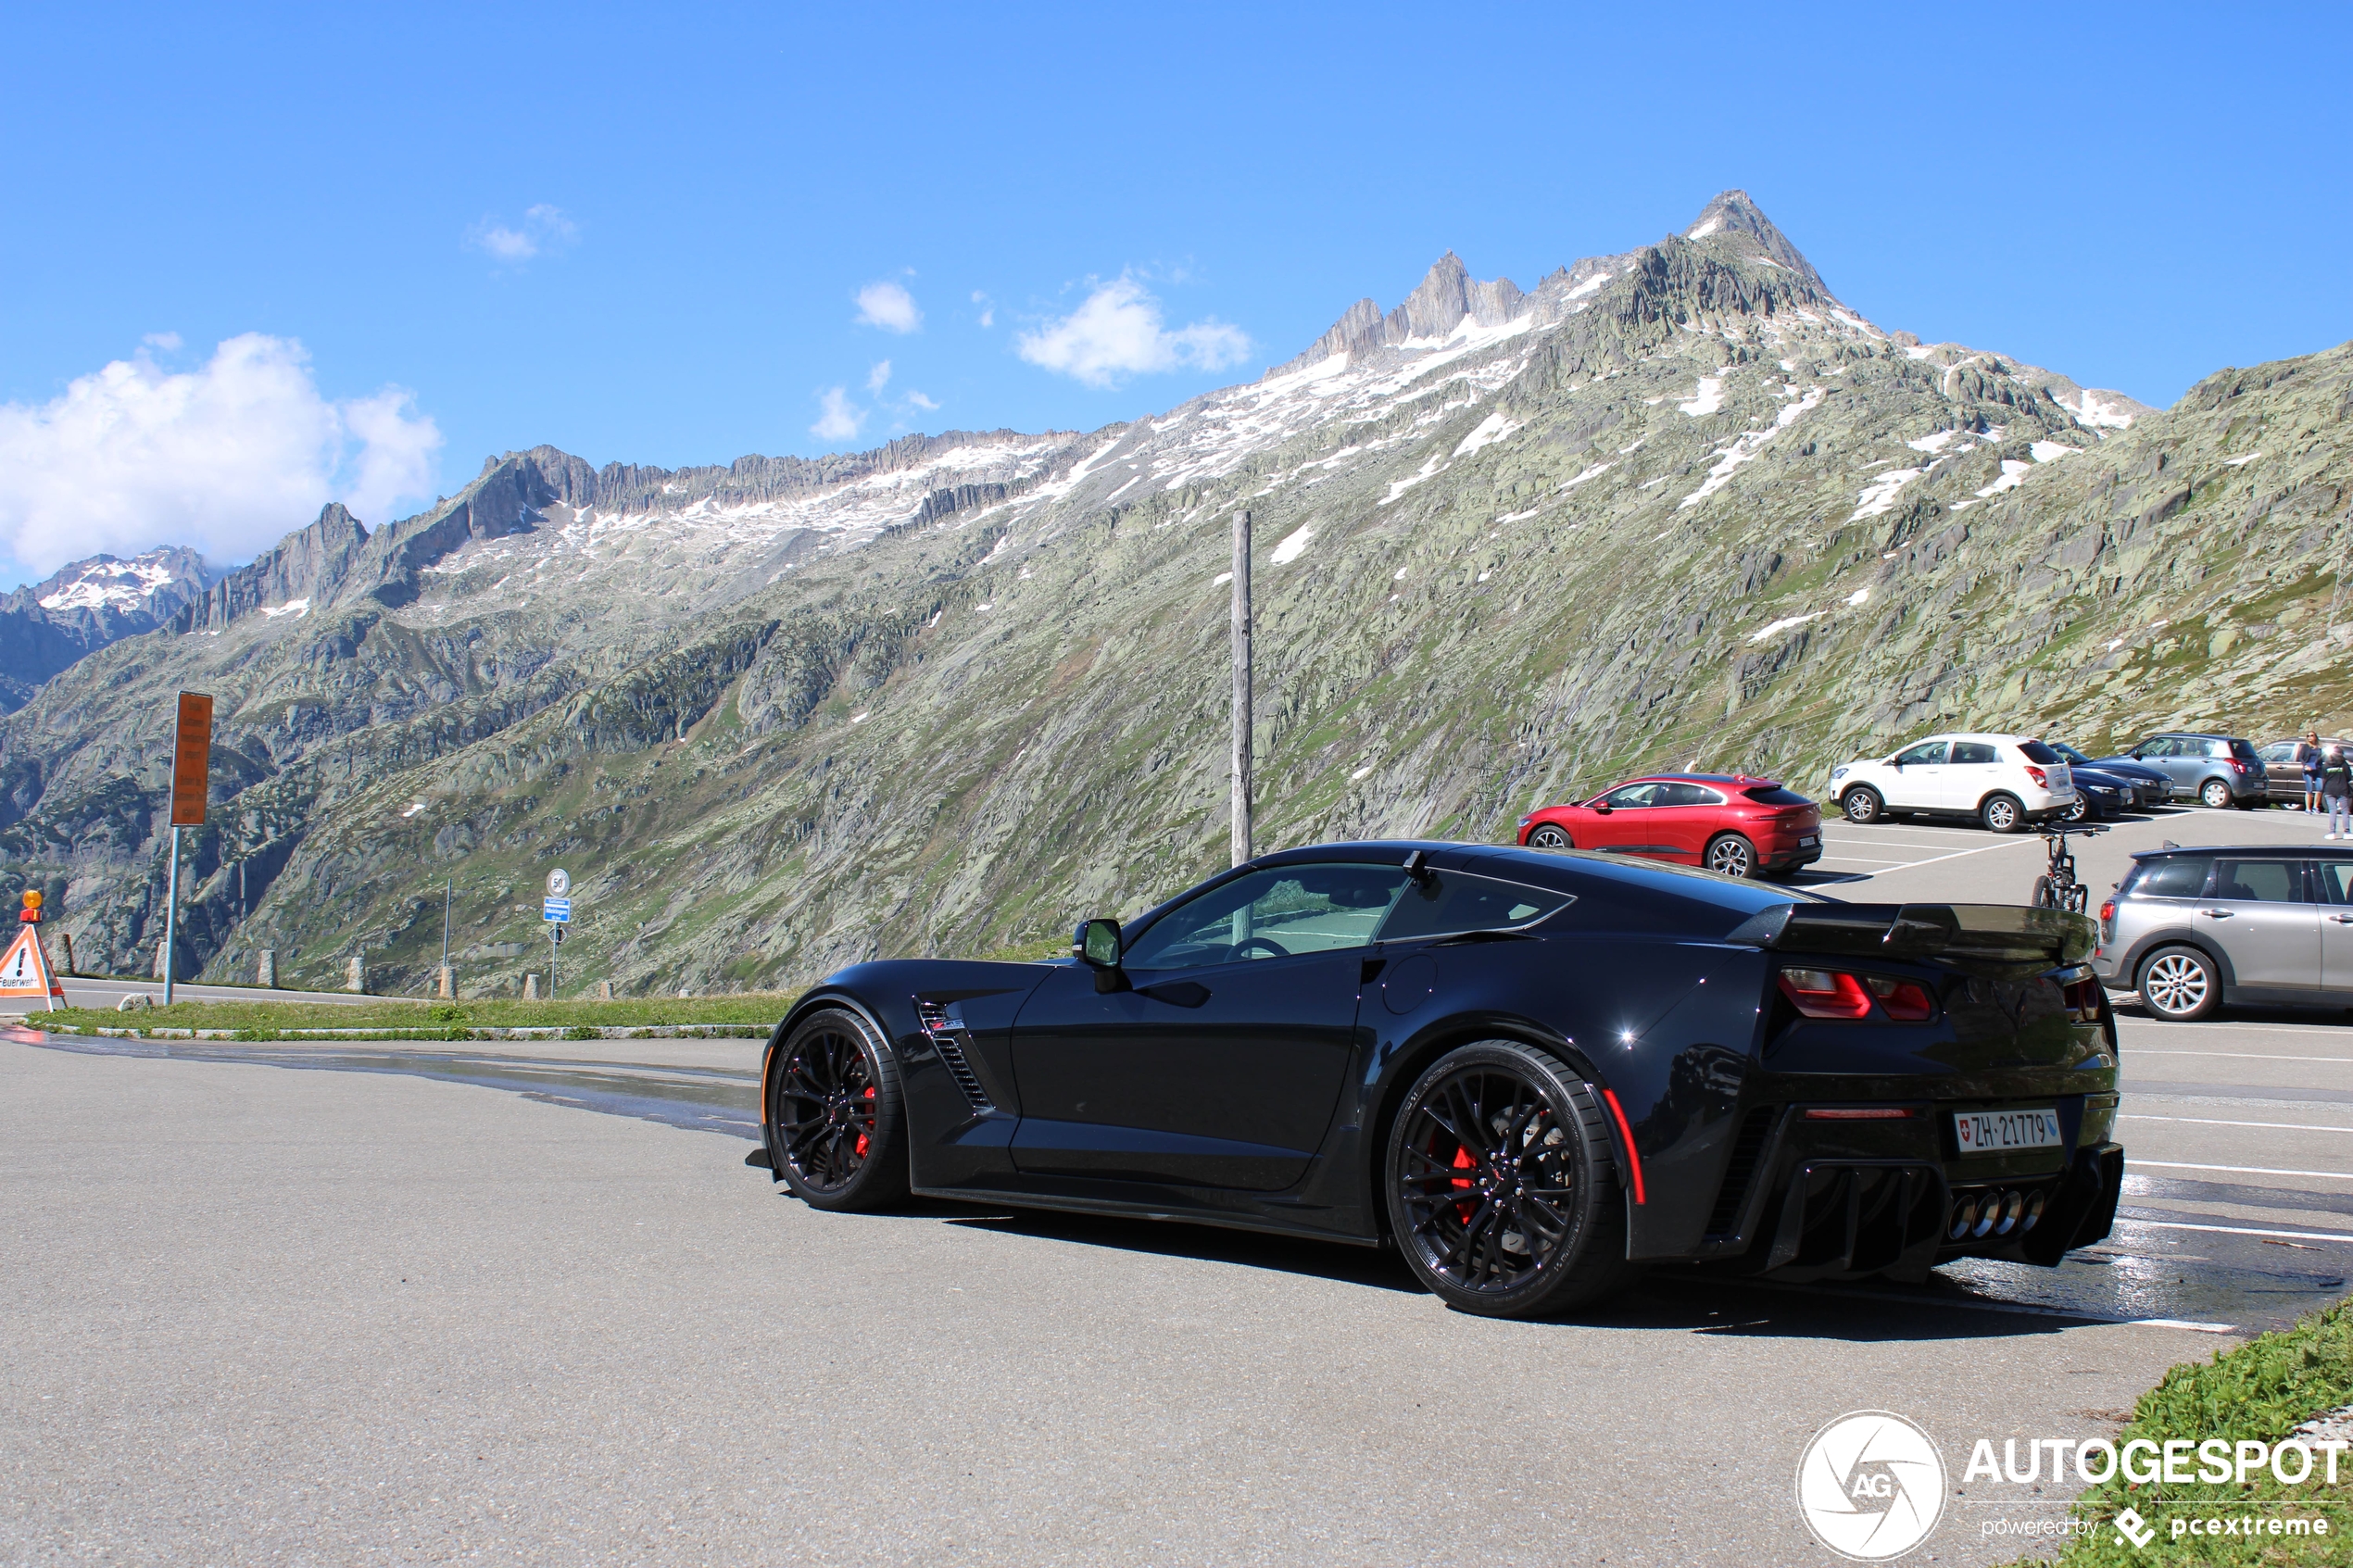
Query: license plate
(2002, 1132)
(1808, 841)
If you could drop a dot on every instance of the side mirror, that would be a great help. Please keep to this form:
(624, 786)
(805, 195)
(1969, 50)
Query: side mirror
(1098, 943)
(1603, 809)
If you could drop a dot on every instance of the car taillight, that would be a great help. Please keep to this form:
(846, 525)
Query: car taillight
(2107, 914)
(1906, 1001)
(2042, 780)
(2083, 1000)
(1826, 992)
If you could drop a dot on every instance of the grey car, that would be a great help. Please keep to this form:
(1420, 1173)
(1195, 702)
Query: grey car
(2194, 929)
(2216, 770)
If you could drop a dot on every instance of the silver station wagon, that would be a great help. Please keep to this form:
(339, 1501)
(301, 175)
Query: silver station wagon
(2192, 929)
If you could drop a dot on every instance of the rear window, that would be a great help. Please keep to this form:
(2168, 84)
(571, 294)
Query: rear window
(2176, 877)
(1774, 795)
(1444, 902)
(2245, 750)
(2035, 751)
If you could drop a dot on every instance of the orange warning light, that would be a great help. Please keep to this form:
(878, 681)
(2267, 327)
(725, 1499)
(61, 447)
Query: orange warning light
(31, 897)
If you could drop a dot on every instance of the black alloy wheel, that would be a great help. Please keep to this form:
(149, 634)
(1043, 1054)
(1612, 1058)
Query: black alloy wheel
(1501, 1187)
(1731, 855)
(1862, 804)
(1549, 835)
(2002, 813)
(2215, 793)
(835, 1119)
(2082, 809)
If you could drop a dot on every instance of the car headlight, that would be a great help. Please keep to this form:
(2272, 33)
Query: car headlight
(1838, 772)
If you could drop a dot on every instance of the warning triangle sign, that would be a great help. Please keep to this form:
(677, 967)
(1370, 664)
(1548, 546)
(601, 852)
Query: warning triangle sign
(24, 970)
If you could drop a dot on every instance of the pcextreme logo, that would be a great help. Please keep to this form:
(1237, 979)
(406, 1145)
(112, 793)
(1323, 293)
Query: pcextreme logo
(1870, 1485)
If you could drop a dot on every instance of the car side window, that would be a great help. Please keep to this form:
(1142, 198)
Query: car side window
(1625, 795)
(2156, 746)
(1926, 752)
(1446, 902)
(1973, 752)
(2279, 751)
(1271, 914)
(2181, 876)
(2260, 881)
(2337, 882)
(2218, 748)
(1688, 795)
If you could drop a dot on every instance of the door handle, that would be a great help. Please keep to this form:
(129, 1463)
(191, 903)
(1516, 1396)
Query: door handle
(2342, 920)
(2216, 914)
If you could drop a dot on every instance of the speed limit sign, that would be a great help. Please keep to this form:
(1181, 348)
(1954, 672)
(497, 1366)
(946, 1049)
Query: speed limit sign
(558, 883)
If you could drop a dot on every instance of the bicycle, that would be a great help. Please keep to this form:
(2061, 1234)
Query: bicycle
(2056, 887)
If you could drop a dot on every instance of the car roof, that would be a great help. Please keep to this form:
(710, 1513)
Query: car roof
(2191, 735)
(1744, 780)
(2296, 851)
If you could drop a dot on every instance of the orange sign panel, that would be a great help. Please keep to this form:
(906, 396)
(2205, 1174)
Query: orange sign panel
(192, 760)
(24, 969)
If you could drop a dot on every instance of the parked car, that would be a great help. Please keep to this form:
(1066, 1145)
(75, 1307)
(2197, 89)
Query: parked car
(1729, 823)
(2098, 797)
(2004, 781)
(2216, 770)
(2283, 775)
(2150, 784)
(1511, 1066)
(2193, 929)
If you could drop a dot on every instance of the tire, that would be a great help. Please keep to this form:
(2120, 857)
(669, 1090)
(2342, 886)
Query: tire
(1467, 1215)
(2046, 894)
(1731, 855)
(2002, 813)
(836, 1123)
(1862, 805)
(2214, 793)
(1550, 835)
(2180, 983)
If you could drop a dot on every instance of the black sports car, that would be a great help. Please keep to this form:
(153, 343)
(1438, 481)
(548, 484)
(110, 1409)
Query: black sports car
(1533, 1072)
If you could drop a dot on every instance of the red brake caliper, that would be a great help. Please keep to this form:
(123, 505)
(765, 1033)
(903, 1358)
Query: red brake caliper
(870, 1121)
(1462, 1161)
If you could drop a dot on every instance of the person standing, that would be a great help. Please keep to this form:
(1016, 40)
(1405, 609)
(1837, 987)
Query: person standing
(2336, 787)
(2308, 751)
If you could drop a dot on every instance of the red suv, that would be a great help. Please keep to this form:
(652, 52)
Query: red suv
(1728, 822)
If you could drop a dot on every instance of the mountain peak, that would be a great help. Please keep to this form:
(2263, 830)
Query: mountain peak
(1734, 217)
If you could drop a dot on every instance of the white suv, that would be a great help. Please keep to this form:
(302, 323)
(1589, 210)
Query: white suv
(2004, 781)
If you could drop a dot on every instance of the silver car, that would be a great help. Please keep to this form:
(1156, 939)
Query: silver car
(2193, 929)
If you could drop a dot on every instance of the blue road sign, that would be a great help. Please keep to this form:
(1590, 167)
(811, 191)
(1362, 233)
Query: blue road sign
(556, 910)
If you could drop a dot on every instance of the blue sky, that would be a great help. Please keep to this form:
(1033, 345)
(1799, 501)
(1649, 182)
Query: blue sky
(429, 234)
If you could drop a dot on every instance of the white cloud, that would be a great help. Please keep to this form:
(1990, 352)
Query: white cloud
(1117, 332)
(889, 306)
(165, 340)
(920, 401)
(987, 309)
(879, 377)
(543, 229)
(839, 418)
(228, 458)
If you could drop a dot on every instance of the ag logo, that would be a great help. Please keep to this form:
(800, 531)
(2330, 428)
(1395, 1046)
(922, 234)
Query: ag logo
(1871, 1485)
(2130, 1526)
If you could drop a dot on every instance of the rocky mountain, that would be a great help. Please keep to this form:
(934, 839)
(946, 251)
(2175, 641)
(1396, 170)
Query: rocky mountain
(83, 607)
(1679, 505)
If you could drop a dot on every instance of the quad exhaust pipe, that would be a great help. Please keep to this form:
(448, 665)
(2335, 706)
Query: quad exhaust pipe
(1999, 1213)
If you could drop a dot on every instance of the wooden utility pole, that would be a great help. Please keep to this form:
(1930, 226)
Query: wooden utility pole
(1241, 688)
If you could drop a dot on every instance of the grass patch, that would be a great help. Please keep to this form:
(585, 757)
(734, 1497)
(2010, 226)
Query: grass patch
(2259, 1391)
(263, 1020)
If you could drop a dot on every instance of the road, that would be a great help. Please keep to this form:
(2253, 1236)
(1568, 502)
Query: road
(254, 1313)
(86, 991)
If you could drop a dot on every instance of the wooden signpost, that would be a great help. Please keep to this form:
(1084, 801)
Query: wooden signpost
(191, 776)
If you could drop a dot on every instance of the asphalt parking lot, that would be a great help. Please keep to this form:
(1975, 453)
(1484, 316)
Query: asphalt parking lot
(339, 1304)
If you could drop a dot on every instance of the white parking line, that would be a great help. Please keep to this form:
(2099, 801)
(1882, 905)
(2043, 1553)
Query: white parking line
(2247, 1056)
(2237, 1170)
(2238, 1230)
(1981, 849)
(2302, 1031)
(2212, 1122)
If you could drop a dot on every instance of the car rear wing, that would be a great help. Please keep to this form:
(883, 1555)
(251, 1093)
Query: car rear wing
(1991, 933)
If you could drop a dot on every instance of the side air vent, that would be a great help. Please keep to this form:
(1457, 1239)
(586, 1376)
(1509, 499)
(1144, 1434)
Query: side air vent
(1747, 1146)
(945, 1031)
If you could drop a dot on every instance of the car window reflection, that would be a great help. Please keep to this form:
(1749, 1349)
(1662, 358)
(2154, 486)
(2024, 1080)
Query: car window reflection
(1271, 914)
